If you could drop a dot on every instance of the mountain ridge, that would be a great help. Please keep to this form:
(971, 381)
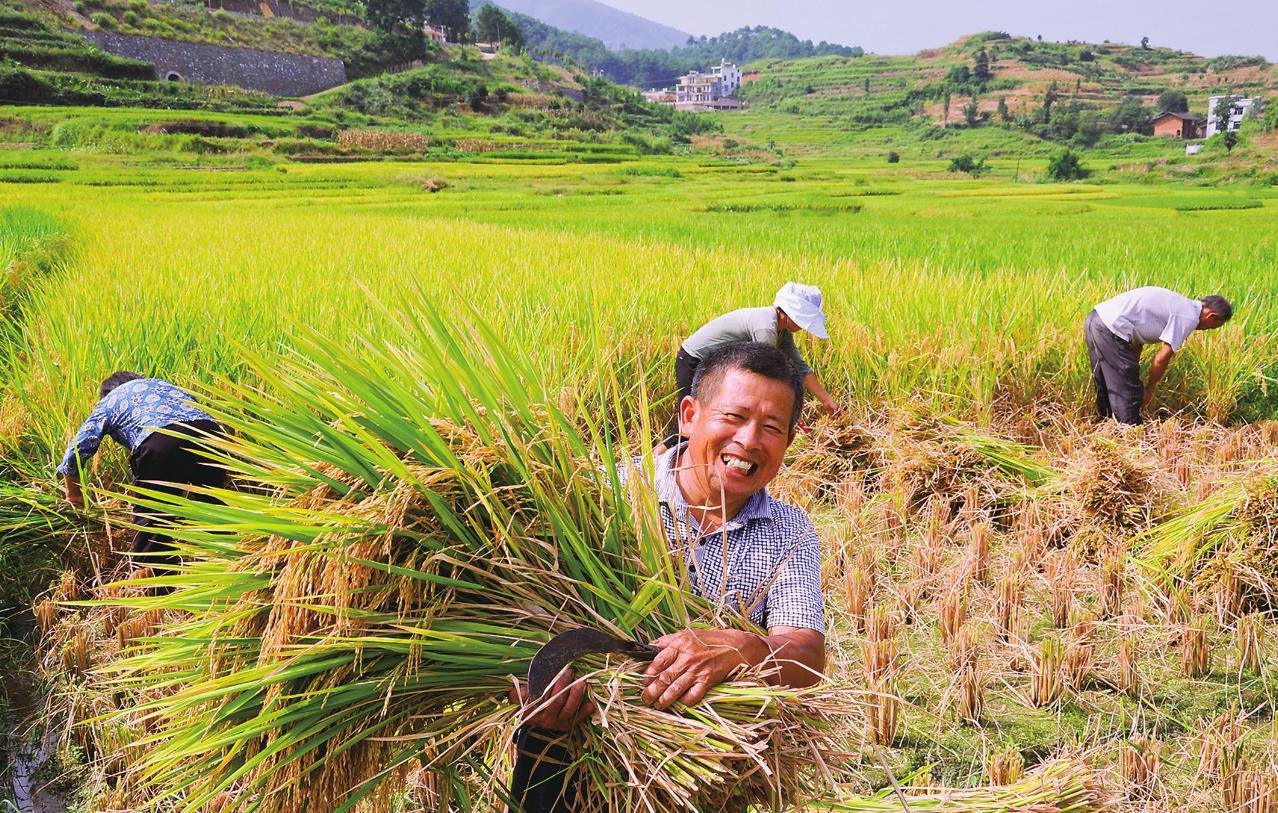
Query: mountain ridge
(616, 28)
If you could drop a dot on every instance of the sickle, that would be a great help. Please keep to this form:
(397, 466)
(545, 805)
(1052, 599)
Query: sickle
(567, 647)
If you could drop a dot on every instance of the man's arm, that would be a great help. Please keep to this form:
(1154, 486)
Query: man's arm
(692, 662)
(71, 484)
(81, 450)
(819, 392)
(1162, 360)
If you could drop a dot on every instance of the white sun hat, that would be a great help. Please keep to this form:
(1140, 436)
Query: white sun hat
(802, 303)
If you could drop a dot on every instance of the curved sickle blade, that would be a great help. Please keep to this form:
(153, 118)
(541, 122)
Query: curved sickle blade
(567, 647)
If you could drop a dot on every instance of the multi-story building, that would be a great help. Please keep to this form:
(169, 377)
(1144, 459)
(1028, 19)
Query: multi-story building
(729, 77)
(1241, 107)
(716, 90)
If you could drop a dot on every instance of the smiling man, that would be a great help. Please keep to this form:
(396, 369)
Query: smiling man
(738, 421)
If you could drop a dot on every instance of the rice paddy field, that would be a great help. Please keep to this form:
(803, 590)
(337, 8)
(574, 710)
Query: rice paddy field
(1028, 611)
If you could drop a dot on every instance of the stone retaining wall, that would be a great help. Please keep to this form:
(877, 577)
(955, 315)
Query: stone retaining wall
(272, 72)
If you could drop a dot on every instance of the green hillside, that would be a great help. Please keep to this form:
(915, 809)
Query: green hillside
(42, 64)
(1076, 94)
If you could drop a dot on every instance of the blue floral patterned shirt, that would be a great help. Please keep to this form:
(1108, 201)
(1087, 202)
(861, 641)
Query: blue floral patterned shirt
(771, 569)
(130, 413)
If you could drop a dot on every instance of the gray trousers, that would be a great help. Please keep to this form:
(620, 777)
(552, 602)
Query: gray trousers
(1116, 371)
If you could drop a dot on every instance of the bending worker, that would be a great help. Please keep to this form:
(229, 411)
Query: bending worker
(747, 552)
(796, 307)
(1118, 329)
(131, 409)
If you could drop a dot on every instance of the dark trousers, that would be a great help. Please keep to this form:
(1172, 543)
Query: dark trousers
(1116, 372)
(539, 782)
(685, 369)
(168, 464)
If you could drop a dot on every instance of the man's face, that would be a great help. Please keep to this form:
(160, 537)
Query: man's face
(738, 438)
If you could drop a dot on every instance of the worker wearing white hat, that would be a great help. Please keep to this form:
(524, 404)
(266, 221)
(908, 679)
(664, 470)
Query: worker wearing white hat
(796, 307)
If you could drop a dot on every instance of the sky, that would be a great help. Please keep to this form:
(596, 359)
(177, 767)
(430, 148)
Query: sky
(1205, 27)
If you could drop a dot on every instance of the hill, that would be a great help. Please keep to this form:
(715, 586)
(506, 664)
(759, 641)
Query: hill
(615, 28)
(651, 68)
(1079, 94)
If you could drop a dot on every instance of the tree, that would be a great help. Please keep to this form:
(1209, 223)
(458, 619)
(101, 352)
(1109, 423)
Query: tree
(492, 25)
(972, 113)
(386, 14)
(1173, 101)
(451, 15)
(1224, 112)
(947, 106)
(1049, 99)
(1065, 166)
(959, 76)
(981, 71)
(1231, 141)
(1144, 43)
(1003, 112)
(1130, 117)
(968, 164)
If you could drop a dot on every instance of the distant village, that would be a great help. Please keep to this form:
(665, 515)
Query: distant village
(703, 92)
(1189, 127)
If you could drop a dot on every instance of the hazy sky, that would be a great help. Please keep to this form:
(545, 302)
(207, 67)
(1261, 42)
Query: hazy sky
(1207, 27)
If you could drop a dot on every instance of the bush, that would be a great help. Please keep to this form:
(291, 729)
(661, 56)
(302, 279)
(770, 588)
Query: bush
(1065, 166)
(894, 157)
(129, 17)
(103, 20)
(968, 164)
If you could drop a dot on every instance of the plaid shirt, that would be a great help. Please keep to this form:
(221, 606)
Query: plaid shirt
(771, 569)
(130, 413)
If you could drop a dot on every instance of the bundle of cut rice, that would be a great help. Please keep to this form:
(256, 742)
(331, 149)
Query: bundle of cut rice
(1235, 527)
(426, 518)
(1108, 489)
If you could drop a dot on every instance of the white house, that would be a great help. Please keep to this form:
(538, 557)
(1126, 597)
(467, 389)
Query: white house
(435, 33)
(1242, 107)
(729, 77)
(716, 90)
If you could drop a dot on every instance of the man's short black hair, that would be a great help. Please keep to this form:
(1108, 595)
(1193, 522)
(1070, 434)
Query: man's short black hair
(116, 379)
(755, 357)
(1220, 306)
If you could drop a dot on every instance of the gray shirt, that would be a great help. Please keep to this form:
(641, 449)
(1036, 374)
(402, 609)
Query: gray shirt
(1151, 315)
(744, 325)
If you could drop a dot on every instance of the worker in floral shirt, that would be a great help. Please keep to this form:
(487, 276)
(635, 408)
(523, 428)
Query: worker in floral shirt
(132, 410)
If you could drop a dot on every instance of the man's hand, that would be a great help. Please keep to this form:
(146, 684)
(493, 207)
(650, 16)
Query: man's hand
(692, 662)
(1162, 360)
(567, 707)
(833, 408)
(73, 493)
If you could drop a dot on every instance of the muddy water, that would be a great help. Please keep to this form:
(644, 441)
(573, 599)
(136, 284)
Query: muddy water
(29, 746)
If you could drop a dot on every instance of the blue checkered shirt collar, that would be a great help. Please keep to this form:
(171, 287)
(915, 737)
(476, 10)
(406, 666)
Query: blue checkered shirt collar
(757, 509)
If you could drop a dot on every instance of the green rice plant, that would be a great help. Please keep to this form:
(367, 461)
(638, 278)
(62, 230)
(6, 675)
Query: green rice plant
(422, 517)
(37, 531)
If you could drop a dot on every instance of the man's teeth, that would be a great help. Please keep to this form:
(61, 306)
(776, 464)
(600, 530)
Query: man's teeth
(737, 463)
